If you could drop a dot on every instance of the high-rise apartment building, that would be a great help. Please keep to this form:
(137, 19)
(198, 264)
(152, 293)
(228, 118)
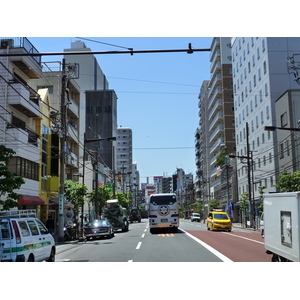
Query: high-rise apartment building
(202, 182)
(219, 119)
(260, 77)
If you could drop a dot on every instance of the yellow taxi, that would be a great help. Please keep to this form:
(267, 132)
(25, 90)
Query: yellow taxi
(218, 220)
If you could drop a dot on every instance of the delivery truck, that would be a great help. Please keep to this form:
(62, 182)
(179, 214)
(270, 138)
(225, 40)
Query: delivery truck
(282, 226)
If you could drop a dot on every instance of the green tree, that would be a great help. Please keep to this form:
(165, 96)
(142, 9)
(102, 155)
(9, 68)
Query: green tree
(244, 206)
(197, 206)
(220, 160)
(123, 200)
(8, 181)
(213, 204)
(261, 198)
(75, 192)
(103, 195)
(288, 182)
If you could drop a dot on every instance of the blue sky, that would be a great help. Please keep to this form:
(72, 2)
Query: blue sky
(157, 95)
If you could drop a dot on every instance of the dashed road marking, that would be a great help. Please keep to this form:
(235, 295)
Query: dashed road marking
(167, 234)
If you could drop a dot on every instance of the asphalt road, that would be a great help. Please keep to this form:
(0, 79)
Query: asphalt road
(192, 243)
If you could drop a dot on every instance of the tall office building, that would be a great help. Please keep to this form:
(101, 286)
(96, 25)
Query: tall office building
(101, 122)
(260, 77)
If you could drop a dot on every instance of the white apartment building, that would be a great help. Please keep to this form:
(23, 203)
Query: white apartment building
(219, 119)
(124, 155)
(260, 77)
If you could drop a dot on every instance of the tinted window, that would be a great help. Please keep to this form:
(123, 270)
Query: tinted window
(24, 228)
(42, 227)
(163, 200)
(33, 228)
(5, 230)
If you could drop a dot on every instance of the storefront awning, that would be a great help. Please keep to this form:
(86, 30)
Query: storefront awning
(31, 200)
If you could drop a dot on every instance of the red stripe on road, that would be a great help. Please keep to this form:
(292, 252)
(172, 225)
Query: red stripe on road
(238, 246)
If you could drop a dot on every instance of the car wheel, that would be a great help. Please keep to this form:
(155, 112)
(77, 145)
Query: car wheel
(52, 256)
(31, 258)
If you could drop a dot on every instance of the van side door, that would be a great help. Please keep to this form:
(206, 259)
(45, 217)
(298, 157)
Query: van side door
(46, 239)
(37, 248)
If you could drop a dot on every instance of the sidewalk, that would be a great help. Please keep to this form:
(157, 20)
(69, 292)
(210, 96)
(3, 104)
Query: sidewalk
(242, 226)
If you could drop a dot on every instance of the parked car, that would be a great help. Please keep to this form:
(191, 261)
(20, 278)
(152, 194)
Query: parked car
(218, 220)
(135, 215)
(24, 238)
(144, 214)
(195, 217)
(99, 228)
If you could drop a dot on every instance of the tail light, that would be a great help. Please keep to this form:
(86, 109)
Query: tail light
(17, 232)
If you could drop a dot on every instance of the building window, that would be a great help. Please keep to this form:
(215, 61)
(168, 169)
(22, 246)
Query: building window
(283, 119)
(267, 112)
(266, 89)
(281, 152)
(287, 145)
(23, 167)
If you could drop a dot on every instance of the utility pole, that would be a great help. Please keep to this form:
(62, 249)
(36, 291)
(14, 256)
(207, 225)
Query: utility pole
(249, 166)
(63, 119)
(249, 163)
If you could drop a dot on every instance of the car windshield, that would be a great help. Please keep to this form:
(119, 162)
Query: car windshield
(97, 223)
(221, 216)
(195, 215)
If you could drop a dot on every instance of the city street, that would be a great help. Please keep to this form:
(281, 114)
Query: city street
(192, 243)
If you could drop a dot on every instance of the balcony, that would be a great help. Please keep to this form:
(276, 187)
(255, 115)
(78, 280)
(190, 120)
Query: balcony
(215, 108)
(71, 159)
(219, 131)
(22, 143)
(73, 109)
(73, 132)
(29, 65)
(216, 120)
(23, 99)
(215, 95)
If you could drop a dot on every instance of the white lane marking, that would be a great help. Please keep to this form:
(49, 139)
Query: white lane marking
(138, 245)
(241, 237)
(209, 248)
(143, 235)
(130, 260)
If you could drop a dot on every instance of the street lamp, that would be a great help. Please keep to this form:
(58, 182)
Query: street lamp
(272, 128)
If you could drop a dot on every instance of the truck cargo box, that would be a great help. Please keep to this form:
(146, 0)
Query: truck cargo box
(281, 225)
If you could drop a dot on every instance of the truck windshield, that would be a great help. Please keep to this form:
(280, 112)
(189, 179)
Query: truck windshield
(163, 200)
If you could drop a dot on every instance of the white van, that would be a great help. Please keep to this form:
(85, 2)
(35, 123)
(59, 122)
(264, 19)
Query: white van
(23, 237)
(195, 217)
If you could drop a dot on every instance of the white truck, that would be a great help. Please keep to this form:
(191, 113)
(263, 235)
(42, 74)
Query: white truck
(282, 226)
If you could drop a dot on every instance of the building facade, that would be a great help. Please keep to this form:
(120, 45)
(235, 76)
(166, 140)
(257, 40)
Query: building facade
(287, 115)
(260, 77)
(20, 121)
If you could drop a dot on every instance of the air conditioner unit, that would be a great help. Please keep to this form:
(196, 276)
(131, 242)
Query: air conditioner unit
(7, 43)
